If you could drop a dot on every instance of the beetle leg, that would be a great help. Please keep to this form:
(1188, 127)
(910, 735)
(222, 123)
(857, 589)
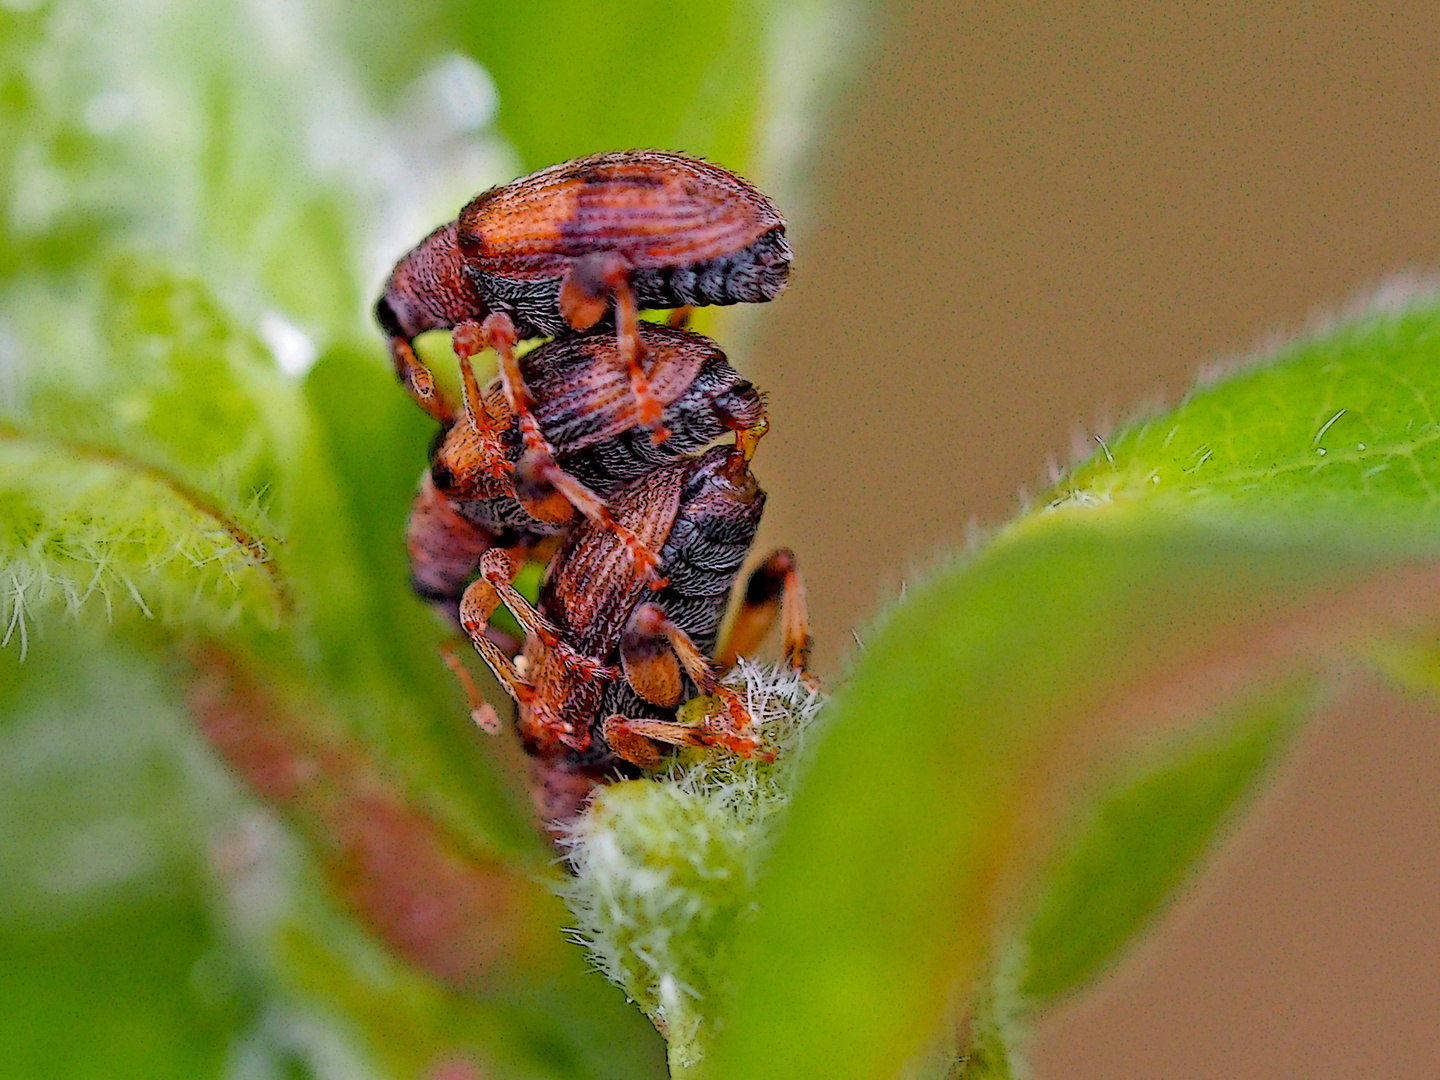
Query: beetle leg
(650, 620)
(536, 477)
(747, 437)
(632, 351)
(476, 606)
(585, 291)
(795, 624)
(481, 711)
(650, 629)
(468, 338)
(498, 569)
(538, 470)
(774, 588)
(411, 371)
(679, 318)
(498, 331)
(630, 743)
(650, 664)
(444, 551)
(475, 411)
(633, 739)
(586, 287)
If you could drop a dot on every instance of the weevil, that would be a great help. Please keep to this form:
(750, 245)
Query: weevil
(605, 663)
(484, 488)
(548, 253)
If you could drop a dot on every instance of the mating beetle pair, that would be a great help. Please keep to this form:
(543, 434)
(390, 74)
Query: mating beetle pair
(547, 253)
(600, 423)
(606, 661)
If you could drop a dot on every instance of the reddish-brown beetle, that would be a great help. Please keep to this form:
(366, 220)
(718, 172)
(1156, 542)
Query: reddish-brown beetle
(547, 253)
(484, 489)
(605, 663)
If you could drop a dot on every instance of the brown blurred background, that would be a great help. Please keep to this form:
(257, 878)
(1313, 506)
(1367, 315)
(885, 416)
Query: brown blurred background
(1031, 217)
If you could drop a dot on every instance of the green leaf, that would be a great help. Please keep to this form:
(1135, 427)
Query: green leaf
(158, 921)
(114, 996)
(80, 525)
(1133, 850)
(1338, 431)
(1165, 579)
(138, 467)
(111, 960)
(685, 76)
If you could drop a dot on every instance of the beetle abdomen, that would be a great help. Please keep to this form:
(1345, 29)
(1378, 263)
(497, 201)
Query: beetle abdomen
(584, 401)
(751, 276)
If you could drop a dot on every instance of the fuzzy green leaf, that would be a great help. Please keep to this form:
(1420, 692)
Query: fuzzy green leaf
(665, 867)
(141, 458)
(1271, 524)
(80, 525)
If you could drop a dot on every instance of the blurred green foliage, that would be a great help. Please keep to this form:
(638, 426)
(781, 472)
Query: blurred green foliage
(205, 468)
(115, 957)
(614, 74)
(1135, 848)
(189, 193)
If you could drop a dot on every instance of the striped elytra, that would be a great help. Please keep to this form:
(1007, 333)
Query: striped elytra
(691, 232)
